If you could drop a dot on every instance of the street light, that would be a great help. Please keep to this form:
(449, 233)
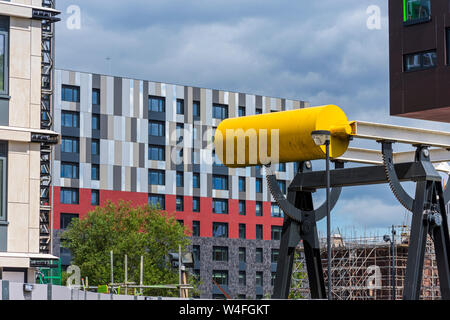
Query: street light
(387, 238)
(323, 138)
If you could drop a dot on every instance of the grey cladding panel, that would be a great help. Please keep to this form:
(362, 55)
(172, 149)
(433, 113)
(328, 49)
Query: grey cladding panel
(242, 100)
(117, 96)
(142, 155)
(196, 94)
(104, 126)
(215, 96)
(258, 102)
(96, 81)
(133, 130)
(145, 100)
(117, 178)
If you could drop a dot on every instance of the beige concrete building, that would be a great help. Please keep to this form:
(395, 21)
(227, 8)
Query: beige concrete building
(21, 138)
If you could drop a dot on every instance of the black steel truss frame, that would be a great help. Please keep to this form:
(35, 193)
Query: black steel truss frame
(428, 208)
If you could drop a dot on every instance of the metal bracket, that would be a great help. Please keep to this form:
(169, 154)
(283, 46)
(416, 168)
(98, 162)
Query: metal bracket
(394, 183)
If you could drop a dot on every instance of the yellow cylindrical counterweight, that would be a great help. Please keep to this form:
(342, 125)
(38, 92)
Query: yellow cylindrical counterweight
(281, 137)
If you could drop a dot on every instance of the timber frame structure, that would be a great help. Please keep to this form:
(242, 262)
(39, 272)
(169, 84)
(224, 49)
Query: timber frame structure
(428, 208)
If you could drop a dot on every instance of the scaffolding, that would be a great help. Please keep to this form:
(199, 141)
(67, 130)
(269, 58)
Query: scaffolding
(47, 71)
(361, 269)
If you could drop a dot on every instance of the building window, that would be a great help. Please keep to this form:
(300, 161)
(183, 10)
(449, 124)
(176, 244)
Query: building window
(196, 228)
(196, 253)
(70, 145)
(157, 201)
(180, 204)
(220, 206)
(4, 60)
(180, 179)
(220, 182)
(195, 158)
(242, 211)
(220, 230)
(70, 119)
(69, 196)
(258, 111)
(275, 211)
(65, 219)
(259, 232)
(95, 197)
(179, 130)
(156, 153)
(276, 232)
(196, 180)
(242, 255)
(220, 111)
(3, 185)
(420, 61)
(216, 160)
(70, 93)
(95, 122)
(296, 167)
(416, 10)
(96, 97)
(274, 255)
(282, 186)
(220, 254)
(242, 231)
(242, 278)
(196, 204)
(241, 111)
(180, 106)
(259, 278)
(95, 172)
(156, 128)
(282, 167)
(259, 209)
(259, 257)
(70, 170)
(259, 186)
(220, 277)
(242, 186)
(156, 104)
(156, 177)
(448, 46)
(196, 109)
(95, 146)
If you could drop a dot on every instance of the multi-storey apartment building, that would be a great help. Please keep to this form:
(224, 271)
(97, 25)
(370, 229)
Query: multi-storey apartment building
(419, 50)
(152, 142)
(21, 138)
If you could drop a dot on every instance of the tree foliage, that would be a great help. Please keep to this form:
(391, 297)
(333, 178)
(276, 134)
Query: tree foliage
(125, 230)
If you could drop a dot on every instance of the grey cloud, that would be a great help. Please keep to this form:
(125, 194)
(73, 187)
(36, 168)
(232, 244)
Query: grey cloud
(319, 51)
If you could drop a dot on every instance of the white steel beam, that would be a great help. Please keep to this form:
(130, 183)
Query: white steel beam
(375, 157)
(413, 136)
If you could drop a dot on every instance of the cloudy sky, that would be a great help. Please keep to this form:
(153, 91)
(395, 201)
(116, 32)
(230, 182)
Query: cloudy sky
(318, 51)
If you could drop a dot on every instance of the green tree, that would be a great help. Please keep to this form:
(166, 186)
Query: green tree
(125, 230)
(299, 275)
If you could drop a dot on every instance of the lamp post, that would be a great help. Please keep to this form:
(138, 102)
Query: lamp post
(387, 238)
(323, 138)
